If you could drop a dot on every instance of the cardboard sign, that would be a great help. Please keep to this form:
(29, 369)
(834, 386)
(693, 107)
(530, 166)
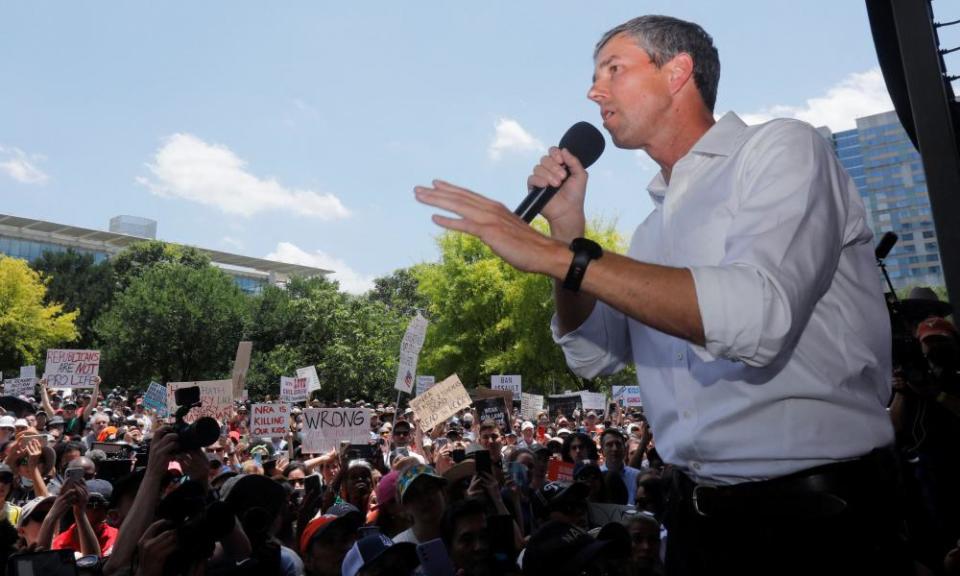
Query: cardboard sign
(240, 366)
(325, 428)
(72, 368)
(563, 405)
(425, 383)
(310, 373)
(593, 400)
(156, 398)
(495, 409)
(560, 471)
(440, 402)
(19, 386)
(530, 406)
(270, 420)
(627, 396)
(511, 383)
(410, 352)
(481, 392)
(215, 395)
(293, 390)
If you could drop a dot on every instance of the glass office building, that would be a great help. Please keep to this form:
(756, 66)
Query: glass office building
(889, 174)
(28, 239)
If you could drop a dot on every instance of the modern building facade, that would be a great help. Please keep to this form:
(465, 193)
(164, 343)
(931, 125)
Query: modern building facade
(28, 238)
(889, 174)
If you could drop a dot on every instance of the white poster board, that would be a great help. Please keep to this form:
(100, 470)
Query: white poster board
(72, 368)
(627, 396)
(410, 352)
(593, 400)
(293, 390)
(270, 420)
(530, 406)
(216, 396)
(310, 373)
(510, 382)
(19, 386)
(425, 383)
(325, 428)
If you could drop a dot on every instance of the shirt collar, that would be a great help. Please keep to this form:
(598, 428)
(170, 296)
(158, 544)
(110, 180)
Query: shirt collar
(720, 140)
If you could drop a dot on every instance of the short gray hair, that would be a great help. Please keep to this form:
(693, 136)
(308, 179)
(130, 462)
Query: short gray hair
(663, 37)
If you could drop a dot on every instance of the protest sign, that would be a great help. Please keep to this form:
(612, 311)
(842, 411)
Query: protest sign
(410, 352)
(530, 406)
(216, 397)
(156, 398)
(603, 514)
(593, 400)
(563, 405)
(270, 420)
(494, 409)
(509, 382)
(241, 364)
(627, 396)
(481, 392)
(440, 402)
(19, 386)
(28, 371)
(293, 390)
(72, 368)
(325, 428)
(425, 383)
(560, 471)
(310, 373)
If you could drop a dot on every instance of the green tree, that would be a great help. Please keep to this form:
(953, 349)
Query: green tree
(137, 258)
(489, 318)
(81, 284)
(28, 326)
(398, 291)
(353, 341)
(173, 322)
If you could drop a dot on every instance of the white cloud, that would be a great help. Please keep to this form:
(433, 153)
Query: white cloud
(16, 164)
(232, 243)
(859, 94)
(187, 167)
(350, 280)
(511, 137)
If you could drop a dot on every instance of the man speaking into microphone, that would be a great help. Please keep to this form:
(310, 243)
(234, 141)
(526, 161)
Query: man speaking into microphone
(749, 303)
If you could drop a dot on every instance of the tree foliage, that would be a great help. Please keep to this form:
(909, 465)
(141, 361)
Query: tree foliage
(173, 322)
(28, 325)
(139, 257)
(81, 284)
(488, 318)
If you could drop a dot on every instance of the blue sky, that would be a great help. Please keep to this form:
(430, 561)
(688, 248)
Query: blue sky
(298, 130)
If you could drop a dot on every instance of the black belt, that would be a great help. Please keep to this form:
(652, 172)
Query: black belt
(823, 491)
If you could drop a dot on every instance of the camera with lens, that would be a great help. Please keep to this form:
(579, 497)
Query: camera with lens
(198, 434)
(199, 525)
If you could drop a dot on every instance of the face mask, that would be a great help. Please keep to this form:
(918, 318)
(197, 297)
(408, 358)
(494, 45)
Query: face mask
(26, 482)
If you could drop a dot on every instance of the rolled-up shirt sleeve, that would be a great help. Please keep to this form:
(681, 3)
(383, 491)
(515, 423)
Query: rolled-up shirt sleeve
(599, 346)
(781, 250)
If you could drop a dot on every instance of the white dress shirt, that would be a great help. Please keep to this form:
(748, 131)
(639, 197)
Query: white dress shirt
(796, 368)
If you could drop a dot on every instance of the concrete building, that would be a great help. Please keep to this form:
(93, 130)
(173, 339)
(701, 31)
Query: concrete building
(28, 238)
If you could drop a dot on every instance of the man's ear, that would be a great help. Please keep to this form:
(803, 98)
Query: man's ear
(680, 71)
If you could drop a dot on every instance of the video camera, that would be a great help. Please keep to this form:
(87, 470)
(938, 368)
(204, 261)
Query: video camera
(201, 433)
(198, 525)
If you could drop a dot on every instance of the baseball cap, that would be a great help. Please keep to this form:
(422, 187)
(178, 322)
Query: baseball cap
(7, 422)
(100, 490)
(935, 326)
(21, 423)
(387, 488)
(55, 421)
(413, 474)
(38, 505)
(378, 550)
(341, 514)
(559, 549)
(527, 425)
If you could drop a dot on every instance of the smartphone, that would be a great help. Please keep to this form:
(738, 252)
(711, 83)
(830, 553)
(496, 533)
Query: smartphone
(312, 483)
(75, 474)
(482, 459)
(458, 455)
(47, 563)
(43, 438)
(439, 443)
(434, 560)
(519, 473)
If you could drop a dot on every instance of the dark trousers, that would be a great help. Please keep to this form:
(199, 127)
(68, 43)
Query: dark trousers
(841, 518)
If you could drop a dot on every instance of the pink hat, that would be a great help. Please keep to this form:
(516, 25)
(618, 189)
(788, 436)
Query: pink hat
(387, 488)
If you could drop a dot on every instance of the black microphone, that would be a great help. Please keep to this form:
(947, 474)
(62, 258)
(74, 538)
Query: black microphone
(885, 245)
(583, 141)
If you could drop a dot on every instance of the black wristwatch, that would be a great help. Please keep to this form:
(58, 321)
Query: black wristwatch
(584, 251)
